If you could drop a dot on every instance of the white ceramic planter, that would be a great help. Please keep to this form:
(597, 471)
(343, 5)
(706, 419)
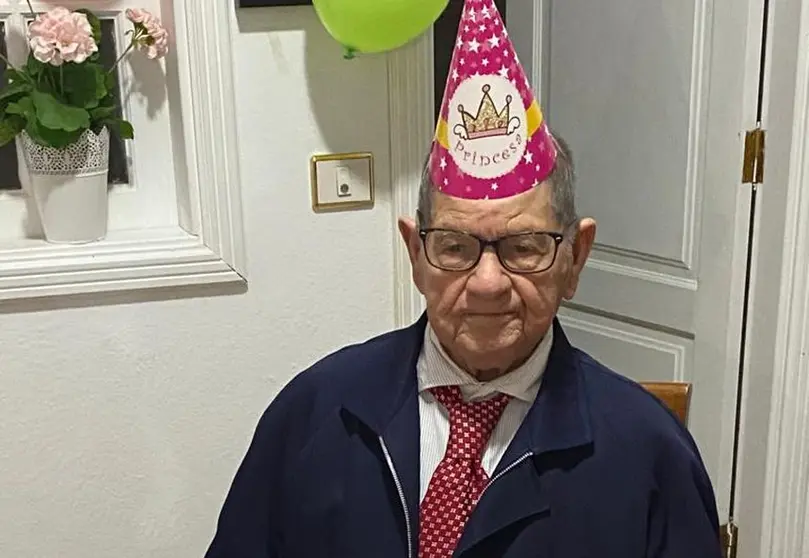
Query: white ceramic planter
(69, 187)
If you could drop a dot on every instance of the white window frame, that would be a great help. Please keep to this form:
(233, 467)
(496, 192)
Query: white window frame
(205, 243)
(148, 200)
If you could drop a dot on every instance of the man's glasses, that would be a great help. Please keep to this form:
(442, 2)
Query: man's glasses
(532, 252)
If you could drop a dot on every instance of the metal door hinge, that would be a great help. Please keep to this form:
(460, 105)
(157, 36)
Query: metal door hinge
(753, 165)
(730, 540)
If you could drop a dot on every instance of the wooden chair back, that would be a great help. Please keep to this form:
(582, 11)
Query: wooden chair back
(676, 395)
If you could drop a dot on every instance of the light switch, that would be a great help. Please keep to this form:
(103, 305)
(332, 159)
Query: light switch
(342, 181)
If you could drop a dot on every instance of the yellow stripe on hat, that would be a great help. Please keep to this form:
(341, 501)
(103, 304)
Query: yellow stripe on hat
(441, 134)
(533, 118)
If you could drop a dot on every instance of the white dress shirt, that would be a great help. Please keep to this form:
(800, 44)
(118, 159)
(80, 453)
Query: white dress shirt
(435, 368)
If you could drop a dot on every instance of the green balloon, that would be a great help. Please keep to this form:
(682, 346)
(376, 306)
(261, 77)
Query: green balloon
(372, 26)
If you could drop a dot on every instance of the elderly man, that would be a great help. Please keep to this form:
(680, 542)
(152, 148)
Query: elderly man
(478, 432)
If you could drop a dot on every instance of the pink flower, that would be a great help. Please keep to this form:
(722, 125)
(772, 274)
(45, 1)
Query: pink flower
(151, 37)
(138, 15)
(59, 36)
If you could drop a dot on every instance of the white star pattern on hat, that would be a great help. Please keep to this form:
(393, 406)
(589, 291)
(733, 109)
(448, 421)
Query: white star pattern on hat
(486, 79)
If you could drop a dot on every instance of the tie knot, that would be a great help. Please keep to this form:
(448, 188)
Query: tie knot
(471, 423)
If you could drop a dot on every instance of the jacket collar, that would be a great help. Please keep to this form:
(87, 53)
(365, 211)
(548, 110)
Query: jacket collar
(387, 378)
(558, 419)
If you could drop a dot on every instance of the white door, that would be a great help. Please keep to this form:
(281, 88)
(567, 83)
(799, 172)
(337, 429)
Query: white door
(654, 97)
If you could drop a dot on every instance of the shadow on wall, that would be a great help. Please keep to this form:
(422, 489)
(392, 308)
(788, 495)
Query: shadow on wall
(325, 69)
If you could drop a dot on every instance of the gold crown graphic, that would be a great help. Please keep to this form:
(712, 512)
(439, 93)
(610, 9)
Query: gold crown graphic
(489, 122)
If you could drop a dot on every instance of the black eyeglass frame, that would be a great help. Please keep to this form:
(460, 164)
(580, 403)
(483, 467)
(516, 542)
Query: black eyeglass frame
(558, 238)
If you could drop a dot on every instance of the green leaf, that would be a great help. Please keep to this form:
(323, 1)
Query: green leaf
(23, 107)
(13, 75)
(57, 116)
(102, 113)
(10, 127)
(13, 91)
(125, 130)
(95, 23)
(52, 138)
(101, 83)
(84, 84)
(34, 67)
(122, 128)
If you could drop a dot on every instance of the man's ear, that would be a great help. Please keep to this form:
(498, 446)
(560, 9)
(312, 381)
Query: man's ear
(410, 236)
(585, 237)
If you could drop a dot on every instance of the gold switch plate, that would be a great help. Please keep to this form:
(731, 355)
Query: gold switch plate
(342, 181)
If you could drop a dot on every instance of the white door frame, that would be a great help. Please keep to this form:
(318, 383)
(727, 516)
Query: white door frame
(773, 483)
(773, 487)
(410, 87)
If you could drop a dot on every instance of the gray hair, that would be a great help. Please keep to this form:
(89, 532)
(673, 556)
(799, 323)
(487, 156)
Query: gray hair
(562, 181)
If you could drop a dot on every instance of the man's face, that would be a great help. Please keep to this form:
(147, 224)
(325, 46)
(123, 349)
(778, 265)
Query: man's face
(490, 319)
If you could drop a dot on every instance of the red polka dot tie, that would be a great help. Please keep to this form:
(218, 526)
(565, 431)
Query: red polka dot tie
(459, 480)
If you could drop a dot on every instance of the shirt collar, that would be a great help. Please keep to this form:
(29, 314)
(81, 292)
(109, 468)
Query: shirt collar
(435, 368)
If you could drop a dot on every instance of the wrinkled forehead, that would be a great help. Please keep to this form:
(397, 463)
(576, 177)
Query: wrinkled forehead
(531, 210)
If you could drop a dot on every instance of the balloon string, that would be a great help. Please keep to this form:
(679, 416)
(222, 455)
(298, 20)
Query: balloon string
(350, 53)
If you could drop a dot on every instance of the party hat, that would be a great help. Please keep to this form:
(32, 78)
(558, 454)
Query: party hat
(491, 140)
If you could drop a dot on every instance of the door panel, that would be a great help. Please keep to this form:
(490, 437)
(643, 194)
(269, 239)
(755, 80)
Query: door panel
(651, 96)
(631, 105)
(644, 353)
(634, 125)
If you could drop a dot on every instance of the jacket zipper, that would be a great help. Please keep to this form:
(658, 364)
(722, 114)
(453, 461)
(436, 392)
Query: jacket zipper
(400, 490)
(514, 464)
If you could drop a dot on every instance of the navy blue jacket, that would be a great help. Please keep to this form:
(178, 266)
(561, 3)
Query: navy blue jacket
(599, 469)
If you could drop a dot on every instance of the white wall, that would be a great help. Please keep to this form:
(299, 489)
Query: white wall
(121, 425)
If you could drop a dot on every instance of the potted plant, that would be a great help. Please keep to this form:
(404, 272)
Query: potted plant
(62, 105)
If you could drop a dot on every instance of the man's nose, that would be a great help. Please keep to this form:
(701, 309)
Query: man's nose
(489, 279)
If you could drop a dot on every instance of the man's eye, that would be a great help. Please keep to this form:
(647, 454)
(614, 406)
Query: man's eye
(453, 248)
(528, 248)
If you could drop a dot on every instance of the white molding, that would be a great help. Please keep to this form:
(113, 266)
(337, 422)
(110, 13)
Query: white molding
(210, 248)
(540, 46)
(624, 335)
(642, 274)
(410, 86)
(785, 511)
(540, 49)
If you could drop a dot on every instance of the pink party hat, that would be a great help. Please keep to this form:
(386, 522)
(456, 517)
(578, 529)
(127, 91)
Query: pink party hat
(491, 140)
